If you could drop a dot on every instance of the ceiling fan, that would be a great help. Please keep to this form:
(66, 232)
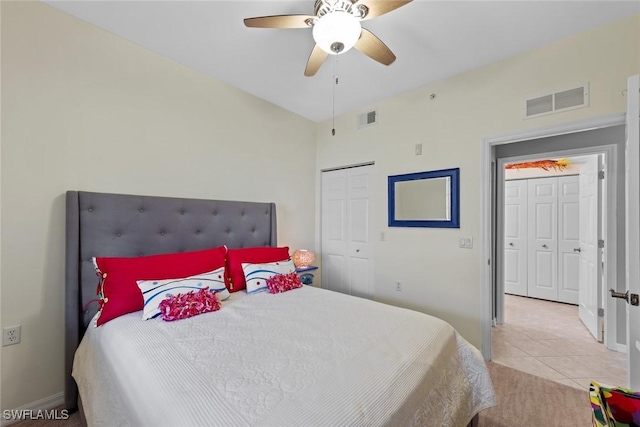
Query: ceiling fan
(336, 29)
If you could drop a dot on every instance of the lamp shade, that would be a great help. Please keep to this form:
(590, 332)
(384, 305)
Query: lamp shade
(303, 258)
(337, 32)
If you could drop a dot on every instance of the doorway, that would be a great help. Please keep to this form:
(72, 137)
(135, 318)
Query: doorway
(553, 220)
(574, 141)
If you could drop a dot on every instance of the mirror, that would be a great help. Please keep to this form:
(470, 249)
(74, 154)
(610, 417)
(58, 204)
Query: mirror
(425, 199)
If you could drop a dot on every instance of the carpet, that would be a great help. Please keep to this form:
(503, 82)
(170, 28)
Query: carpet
(525, 400)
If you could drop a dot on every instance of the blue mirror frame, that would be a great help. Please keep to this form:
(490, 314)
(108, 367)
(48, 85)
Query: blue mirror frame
(453, 222)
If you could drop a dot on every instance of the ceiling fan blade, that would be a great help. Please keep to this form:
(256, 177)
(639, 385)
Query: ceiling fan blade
(374, 48)
(279, 21)
(316, 59)
(380, 7)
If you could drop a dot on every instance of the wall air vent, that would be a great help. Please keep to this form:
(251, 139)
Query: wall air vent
(557, 102)
(367, 119)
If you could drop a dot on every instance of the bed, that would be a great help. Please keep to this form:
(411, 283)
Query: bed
(308, 357)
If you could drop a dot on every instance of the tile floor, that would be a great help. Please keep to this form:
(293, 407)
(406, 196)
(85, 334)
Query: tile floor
(548, 339)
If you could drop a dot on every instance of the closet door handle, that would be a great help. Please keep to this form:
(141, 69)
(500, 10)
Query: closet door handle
(544, 246)
(577, 250)
(510, 243)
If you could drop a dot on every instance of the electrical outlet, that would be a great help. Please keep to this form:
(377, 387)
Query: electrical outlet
(383, 237)
(11, 335)
(399, 286)
(418, 149)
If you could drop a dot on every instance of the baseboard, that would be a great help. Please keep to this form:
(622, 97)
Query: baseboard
(620, 348)
(39, 405)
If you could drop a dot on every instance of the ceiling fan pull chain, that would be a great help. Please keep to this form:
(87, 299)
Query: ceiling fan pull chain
(333, 112)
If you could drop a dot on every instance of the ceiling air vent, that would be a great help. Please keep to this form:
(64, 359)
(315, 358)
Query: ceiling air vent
(367, 119)
(564, 100)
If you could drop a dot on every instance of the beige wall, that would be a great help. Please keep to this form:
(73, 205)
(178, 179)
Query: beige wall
(438, 277)
(83, 109)
(86, 110)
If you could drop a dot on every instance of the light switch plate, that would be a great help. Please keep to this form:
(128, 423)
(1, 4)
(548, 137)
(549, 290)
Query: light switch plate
(465, 242)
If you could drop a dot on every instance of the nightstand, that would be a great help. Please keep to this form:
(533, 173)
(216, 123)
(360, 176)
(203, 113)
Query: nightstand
(305, 274)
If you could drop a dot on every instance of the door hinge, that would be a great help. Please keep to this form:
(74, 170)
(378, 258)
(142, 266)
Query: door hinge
(600, 174)
(601, 312)
(600, 243)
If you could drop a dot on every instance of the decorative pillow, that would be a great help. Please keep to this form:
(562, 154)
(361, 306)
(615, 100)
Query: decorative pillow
(235, 258)
(156, 292)
(621, 406)
(256, 275)
(191, 304)
(283, 282)
(598, 416)
(118, 290)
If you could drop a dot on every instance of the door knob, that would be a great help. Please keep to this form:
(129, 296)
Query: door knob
(510, 243)
(577, 250)
(624, 296)
(357, 250)
(544, 246)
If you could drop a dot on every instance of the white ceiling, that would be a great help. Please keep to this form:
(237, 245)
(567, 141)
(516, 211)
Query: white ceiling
(431, 39)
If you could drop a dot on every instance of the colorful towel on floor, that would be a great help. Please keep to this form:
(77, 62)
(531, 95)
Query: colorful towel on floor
(614, 406)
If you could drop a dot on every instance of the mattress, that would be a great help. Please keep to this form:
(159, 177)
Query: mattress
(307, 357)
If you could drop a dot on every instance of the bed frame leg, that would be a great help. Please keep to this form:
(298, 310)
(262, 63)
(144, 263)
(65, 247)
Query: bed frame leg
(474, 421)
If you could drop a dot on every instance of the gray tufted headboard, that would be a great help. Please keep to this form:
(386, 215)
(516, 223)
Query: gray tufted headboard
(100, 224)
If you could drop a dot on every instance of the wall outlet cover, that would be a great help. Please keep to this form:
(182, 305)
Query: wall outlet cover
(10, 335)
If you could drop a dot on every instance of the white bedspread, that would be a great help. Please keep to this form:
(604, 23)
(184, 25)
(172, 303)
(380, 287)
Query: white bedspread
(308, 357)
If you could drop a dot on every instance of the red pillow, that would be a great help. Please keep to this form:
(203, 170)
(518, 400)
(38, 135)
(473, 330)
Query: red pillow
(183, 306)
(283, 283)
(119, 291)
(235, 258)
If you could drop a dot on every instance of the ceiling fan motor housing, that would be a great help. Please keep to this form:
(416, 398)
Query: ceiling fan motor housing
(322, 7)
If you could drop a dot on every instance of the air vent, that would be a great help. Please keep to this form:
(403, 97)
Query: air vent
(367, 119)
(557, 102)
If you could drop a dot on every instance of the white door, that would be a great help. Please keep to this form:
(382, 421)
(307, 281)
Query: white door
(632, 181)
(589, 274)
(542, 238)
(334, 230)
(347, 255)
(515, 237)
(568, 238)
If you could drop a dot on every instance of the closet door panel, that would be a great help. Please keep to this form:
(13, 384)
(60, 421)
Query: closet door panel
(542, 238)
(515, 233)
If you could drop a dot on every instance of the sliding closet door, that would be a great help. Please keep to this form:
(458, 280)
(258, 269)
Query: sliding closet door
(347, 254)
(543, 243)
(515, 237)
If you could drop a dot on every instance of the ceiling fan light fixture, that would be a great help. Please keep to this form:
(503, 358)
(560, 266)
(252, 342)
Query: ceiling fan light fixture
(336, 32)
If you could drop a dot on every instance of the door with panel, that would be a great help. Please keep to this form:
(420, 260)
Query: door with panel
(543, 244)
(632, 211)
(334, 230)
(590, 261)
(568, 238)
(515, 237)
(347, 254)
(359, 244)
